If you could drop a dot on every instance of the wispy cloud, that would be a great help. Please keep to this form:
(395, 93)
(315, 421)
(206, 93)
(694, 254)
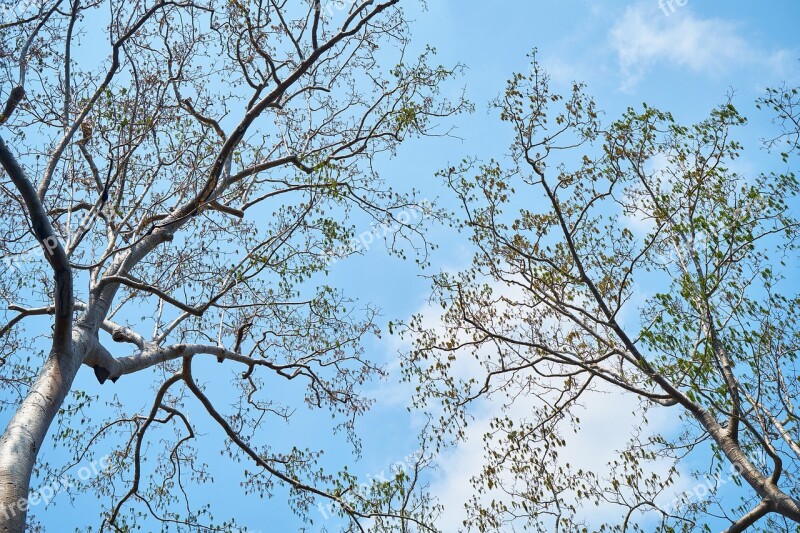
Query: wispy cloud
(644, 37)
(609, 418)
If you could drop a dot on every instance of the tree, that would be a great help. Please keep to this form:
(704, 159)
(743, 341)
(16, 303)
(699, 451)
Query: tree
(653, 269)
(175, 172)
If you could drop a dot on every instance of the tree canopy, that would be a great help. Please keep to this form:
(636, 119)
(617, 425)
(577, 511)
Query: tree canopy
(175, 173)
(656, 269)
(179, 178)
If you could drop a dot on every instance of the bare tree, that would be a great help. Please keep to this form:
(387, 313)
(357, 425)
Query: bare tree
(175, 172)
(652, 269)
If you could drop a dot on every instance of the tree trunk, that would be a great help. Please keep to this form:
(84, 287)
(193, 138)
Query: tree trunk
(22, 439)
(26, 432)
(773, 497)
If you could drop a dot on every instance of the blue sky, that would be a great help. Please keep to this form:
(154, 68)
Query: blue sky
(684, 60)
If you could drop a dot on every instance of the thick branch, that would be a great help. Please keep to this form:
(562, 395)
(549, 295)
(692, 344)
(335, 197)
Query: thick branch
(755, 514)
(53, 250)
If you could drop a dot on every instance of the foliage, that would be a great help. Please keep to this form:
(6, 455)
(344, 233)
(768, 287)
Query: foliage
(654, 269)
(198, 165)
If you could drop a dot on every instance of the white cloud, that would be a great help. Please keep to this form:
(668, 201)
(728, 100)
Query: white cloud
(607, 423)
(645, 36)
(608, 420)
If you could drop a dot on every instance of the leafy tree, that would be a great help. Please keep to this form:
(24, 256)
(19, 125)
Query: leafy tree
(175, 172)
(650, 267)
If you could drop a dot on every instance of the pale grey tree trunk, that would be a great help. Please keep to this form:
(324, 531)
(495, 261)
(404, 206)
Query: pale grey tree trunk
(25, 434)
